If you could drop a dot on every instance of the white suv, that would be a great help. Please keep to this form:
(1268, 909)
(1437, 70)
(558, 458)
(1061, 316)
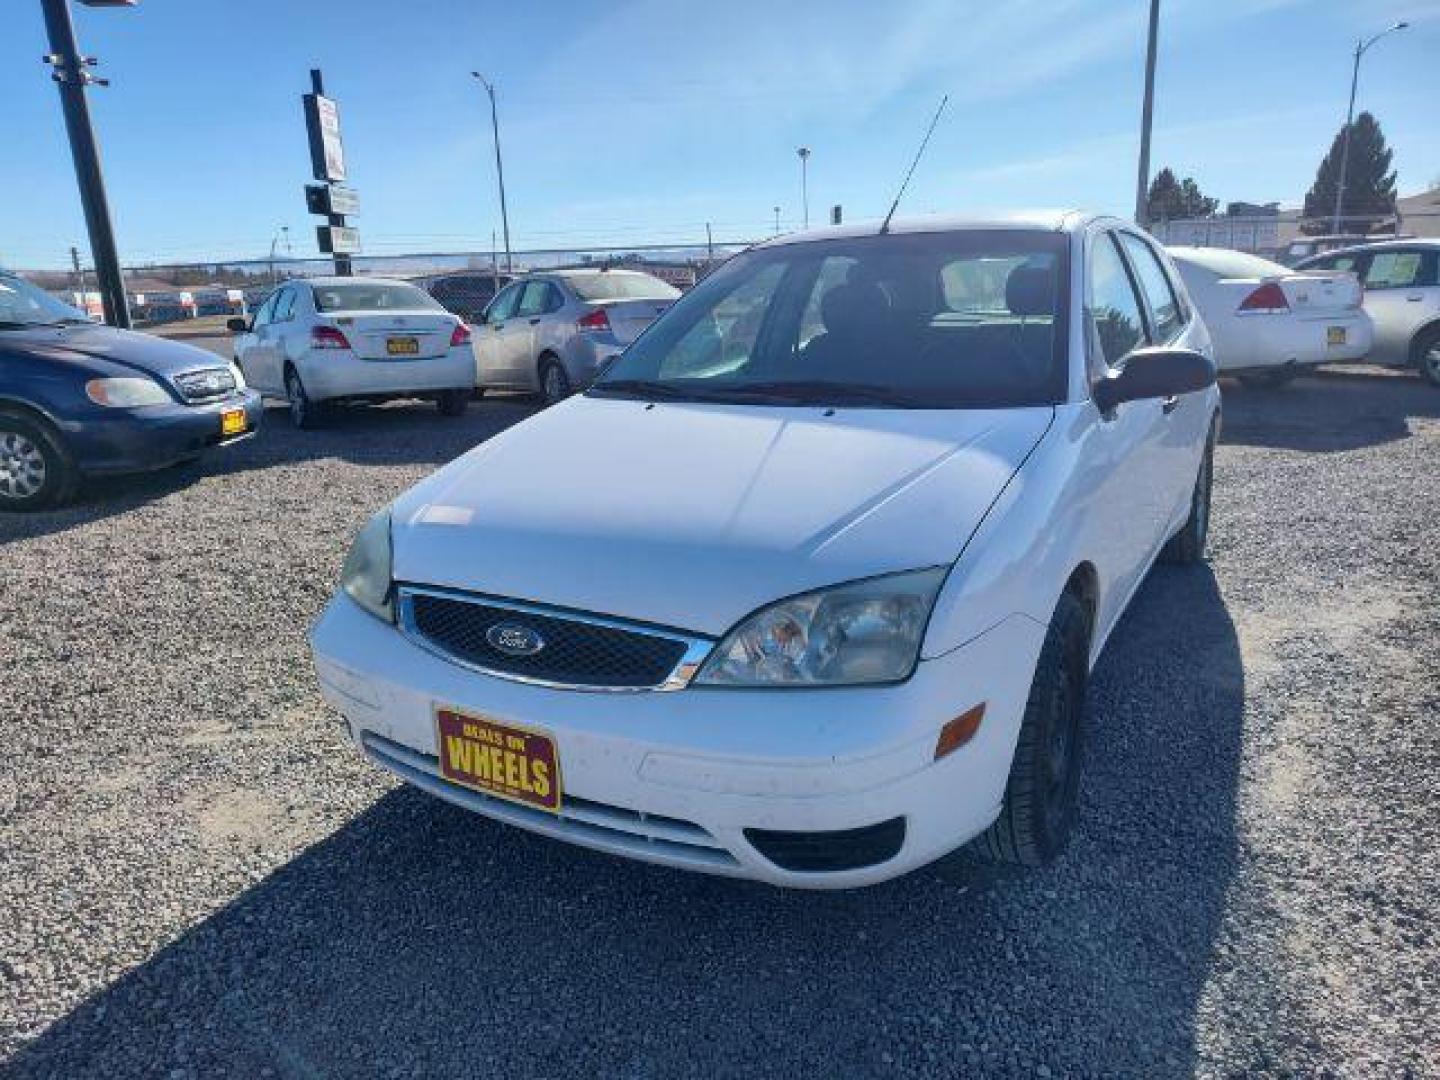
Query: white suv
(808, 586)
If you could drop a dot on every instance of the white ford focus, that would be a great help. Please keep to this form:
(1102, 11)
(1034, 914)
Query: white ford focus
(808, 586)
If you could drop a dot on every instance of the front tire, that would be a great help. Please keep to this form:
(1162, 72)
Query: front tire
(1427, 355)
(304, 413)
(554, 383)
(1187, 546)
(1039, 807)
(35, 472)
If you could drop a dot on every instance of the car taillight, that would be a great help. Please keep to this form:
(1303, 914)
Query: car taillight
(1268, 297)
(327, 337)
(596, 322)
(460, 335)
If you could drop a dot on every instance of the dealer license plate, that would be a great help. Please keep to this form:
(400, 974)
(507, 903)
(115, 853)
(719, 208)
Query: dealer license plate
(499, 759)
(1335, 335)
(232, 422)
(402, 346)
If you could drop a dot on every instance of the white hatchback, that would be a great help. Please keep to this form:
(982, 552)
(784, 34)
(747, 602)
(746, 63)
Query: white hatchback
(808, 586)
(322, 341)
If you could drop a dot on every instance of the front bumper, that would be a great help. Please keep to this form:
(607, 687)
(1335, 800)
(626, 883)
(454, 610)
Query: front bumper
(139, 440)
(681, 778)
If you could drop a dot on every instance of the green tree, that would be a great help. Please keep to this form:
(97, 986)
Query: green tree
(1369, 181)
(1170, 199)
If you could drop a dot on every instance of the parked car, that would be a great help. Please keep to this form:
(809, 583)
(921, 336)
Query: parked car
(465, 293)
(1269, 323)
(554, 331)
(1402, 298)
(808, 586)
(326, 341)
(82, 399)
(1303, 247)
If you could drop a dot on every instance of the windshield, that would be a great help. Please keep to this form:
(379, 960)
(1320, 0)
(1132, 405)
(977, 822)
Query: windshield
(23, 304)
(374, 297)
(938, 320)
(620, 286)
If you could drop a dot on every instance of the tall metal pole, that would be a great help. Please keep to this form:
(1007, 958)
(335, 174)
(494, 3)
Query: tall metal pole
(71, 77)
(804, 153)
(499, 169)
(1360, 47)
(777, 221)
(1142, 183)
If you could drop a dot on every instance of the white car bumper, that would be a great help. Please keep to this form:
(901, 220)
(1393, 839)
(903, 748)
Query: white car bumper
(335, 374)
(679, 777)
(1265, 341)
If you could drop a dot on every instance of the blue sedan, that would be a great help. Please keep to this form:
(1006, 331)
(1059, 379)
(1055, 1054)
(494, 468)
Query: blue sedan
(79, 399)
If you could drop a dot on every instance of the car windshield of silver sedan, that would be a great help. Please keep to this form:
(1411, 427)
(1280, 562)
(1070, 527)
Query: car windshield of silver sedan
(374, 297)
(932, 321)
(23, 305)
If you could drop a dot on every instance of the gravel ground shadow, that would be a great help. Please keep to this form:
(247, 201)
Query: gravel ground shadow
(420, 940)
(1334, 409)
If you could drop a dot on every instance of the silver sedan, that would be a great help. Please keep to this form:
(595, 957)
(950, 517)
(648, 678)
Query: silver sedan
(553, 332)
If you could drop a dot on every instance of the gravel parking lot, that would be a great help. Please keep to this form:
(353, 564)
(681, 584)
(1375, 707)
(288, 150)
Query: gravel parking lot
(198, 877)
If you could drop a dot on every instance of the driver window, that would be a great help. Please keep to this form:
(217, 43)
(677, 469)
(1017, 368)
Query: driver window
(1114, 309)
(503, 306)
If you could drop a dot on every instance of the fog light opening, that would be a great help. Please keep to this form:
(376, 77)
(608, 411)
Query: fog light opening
(959, 731)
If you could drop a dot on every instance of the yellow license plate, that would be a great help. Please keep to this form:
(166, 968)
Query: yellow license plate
(232, 422)
(402, 346)
(499, 759)
(1335, 335)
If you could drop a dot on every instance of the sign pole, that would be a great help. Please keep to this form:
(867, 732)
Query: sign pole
(327, 162)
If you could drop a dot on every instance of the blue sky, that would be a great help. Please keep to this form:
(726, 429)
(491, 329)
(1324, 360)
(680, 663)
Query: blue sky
(628, 122)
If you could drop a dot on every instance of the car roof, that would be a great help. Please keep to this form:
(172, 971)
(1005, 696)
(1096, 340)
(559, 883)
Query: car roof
(576, 271)
(1429, 243)
(334, 279)
(1031, 220)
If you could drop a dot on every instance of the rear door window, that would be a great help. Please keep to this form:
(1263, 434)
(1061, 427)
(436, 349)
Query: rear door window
(534, 299)
(1400, 270)
(284, 304)
(1155, 284)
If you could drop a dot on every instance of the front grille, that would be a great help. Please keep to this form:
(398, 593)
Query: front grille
(570, 650)
(206, 384)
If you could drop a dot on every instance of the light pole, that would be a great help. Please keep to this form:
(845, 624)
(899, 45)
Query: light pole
(1147, 112)
(1360, 49)
(804, 153)
(72, 78)
(284, 231)
(777, 221)
(499, 170)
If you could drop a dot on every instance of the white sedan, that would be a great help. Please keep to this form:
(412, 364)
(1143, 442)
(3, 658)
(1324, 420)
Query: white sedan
(808, 586)
(1268, 322)
(322, 341)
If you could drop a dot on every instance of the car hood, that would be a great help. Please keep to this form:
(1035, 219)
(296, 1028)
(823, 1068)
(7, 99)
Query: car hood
(693, 515)
(127, 348)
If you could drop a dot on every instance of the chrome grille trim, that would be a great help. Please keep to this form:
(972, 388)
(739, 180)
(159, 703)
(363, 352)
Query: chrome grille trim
(205, 384)
(696, 648)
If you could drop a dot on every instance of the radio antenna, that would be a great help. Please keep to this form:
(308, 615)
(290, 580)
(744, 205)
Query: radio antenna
(885, 225)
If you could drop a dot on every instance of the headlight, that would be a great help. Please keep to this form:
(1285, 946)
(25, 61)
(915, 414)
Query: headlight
(863, 632)
(126, 393)
(366, 574)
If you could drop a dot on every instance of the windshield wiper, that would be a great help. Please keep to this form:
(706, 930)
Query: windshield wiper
(645, 388)
(820, 392)
(13, 324)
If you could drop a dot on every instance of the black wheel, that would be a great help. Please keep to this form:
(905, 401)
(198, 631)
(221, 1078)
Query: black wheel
(1038, 809)
(1426, 351)
(1270, 380)
(1188, 545)
(554, 383)
(453, 402)
(304, 413)
(35, 472)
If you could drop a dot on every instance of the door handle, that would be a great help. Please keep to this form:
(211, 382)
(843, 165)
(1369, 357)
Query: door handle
(497, 326)
(535, 321)
(1415, 299)
(1169, 404)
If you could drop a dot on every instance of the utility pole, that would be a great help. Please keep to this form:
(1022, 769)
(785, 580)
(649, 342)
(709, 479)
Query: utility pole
(79, 276)
(72, 78)
(499, 169)
(804, 153)
(1360, 50)
(1142, 183)
(709, 244)
(777, 221)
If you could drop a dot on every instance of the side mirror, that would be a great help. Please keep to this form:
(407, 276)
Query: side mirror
(237, 325)
(1157, 372)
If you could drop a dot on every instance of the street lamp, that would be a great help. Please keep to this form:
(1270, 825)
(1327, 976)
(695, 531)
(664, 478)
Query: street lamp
(499, 169)
(1360, 49)
(1147, 113)
(72, 77)
(804, 153)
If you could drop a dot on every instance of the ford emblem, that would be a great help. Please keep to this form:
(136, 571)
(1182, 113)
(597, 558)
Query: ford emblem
(514, 639)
